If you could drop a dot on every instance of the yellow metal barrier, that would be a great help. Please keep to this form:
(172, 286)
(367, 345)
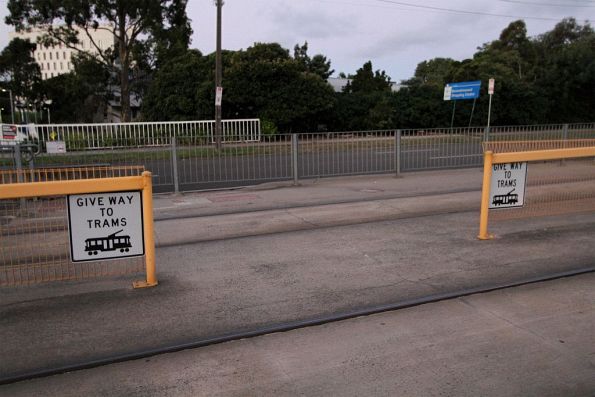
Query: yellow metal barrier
(103, 185)
(491, 158)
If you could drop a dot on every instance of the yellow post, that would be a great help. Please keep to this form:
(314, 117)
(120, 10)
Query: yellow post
(147, 194)
(485, 196)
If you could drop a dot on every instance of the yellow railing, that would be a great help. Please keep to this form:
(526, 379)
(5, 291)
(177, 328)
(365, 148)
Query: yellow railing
(491, 158)
(100, 185)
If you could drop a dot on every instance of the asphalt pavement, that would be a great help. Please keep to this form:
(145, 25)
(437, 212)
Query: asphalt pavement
(536, 340)
(243, 259)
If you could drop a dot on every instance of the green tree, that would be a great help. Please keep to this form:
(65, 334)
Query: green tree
(78, 96)
(174, 92)
(265, 81)
(131, 22)
(18, 69)
(318, 64)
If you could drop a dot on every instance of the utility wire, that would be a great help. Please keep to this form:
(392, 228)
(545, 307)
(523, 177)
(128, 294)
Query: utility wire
(584, 5)
(465, 12)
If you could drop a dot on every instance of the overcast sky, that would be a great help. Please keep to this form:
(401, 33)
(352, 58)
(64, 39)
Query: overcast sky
(394, 36)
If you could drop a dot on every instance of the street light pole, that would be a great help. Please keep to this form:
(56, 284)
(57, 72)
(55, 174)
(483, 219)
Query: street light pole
(218, 77)
(11, 104)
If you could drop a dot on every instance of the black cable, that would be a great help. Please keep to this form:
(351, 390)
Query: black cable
(288, 326)
(584, 5)
(465, 12)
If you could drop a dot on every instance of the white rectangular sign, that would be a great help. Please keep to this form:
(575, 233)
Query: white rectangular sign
(508, 185)
(105, 226)
(54, 147)
(218, 96)
(491, 86)
(447, 93)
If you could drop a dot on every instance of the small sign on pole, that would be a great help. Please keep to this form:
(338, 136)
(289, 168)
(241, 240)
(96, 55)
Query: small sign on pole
(491, 86)
(105, 226)
(507, 188)
(218, 96)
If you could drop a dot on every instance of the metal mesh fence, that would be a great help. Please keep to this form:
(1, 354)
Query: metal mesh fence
(182, 156)
(200, 165)
(441, 148)
(346, 153)
(34, 238)
(553, 187)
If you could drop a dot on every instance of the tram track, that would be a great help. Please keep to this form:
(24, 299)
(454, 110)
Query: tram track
(289, 326)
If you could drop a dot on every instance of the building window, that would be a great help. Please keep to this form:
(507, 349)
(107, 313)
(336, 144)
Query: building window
(44, 56)
(50, 56)
(57, 55)
(61, 68)
(64, 54)
(55, 66)
(48, 66)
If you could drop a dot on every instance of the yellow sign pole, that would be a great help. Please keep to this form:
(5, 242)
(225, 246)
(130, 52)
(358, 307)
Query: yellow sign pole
(151, 280)
(485, 196)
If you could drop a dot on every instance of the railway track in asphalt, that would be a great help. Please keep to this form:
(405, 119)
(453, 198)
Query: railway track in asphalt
(289, 326)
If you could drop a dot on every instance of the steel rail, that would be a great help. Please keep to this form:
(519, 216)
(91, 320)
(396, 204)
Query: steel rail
(289, 326)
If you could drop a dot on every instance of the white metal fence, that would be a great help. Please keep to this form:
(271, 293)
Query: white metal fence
(102, 136)
(183, 159)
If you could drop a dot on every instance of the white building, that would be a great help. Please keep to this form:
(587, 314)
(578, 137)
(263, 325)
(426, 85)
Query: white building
(56, 60)
(339, 83)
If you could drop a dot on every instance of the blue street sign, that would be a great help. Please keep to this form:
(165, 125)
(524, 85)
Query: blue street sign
(460, 91)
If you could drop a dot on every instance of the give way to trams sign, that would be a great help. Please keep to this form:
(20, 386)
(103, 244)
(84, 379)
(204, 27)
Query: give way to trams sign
(105, 226)
(508, 185)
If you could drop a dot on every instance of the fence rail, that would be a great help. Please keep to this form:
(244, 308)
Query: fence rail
(181, 159)
(125, 135)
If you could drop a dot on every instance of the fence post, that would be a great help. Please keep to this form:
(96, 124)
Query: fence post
(486, 134)
(294, 157)
(485, 196)
(174, 164)
(149, 239)
(565, 138)
(398, 153)
(18, 162)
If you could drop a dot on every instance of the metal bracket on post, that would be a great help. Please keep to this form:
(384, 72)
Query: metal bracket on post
(398, 154)
(294, 158)
(174, 164)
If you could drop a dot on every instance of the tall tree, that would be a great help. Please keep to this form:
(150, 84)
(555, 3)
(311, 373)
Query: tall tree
(131, 22)
(318, 64)
(18, 68)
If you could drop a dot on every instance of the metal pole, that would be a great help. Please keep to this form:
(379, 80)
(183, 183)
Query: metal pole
(485, 196)
(49, 119)
(11, 106)
(452, 120)
(218, 75)
(472, 111)
(174, 163)
(398, 153)
(490, 112)
(19, 166)
(294, 158)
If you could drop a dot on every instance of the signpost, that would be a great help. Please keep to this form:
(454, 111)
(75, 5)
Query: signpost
(105, 226)
(462, 91)
(491, 88)
(507, 188)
